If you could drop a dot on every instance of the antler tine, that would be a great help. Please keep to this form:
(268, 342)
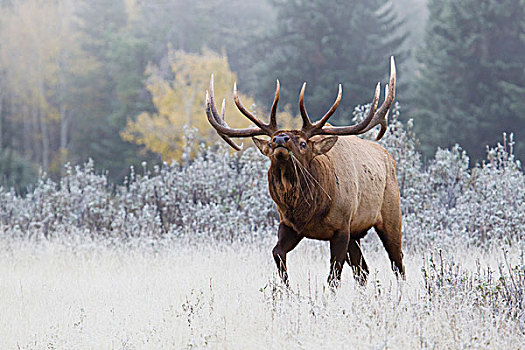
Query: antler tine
(273, 113)
(211, 101)
(244, 111)
(354, 129)
(223, 122)
(380, 118)
(385, 107)
(306, 120)
(331, 111)
(220, 125)
(383, 120)
(373, 118)
(372, 111)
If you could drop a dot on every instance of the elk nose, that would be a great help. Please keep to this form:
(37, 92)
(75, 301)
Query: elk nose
(281, 139)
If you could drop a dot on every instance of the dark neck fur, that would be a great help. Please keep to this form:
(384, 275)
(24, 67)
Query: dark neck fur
(299, 197)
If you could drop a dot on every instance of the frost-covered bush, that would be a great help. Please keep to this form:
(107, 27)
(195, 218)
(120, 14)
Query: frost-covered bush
(492, 204)
(217, 194)
(475, 206)
(214, 193)
(82, 199)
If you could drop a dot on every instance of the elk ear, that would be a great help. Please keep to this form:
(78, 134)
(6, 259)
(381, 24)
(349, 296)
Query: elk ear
(323, 145)
(262, 145)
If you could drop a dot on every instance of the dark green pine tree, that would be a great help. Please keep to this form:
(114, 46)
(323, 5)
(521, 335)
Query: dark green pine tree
(111, 90)
(471, 84)
(326, 43)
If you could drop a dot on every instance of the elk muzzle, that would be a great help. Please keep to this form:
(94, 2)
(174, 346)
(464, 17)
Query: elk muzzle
(281, 139)
(280, 149)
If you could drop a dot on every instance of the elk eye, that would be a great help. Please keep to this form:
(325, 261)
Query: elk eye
(302, 144)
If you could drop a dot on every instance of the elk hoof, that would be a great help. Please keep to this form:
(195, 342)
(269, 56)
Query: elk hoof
(334, 283)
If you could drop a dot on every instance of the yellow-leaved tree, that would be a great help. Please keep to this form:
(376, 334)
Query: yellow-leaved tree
(180, 100)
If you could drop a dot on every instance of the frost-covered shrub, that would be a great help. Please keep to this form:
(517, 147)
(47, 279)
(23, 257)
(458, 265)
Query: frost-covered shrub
(217, 194)
(214, 193)
(492, 204)
(427, 212)
(473, 206)
(81, 199)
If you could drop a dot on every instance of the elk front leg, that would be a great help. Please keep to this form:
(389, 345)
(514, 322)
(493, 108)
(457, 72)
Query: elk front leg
(338, 255)
(288, 240)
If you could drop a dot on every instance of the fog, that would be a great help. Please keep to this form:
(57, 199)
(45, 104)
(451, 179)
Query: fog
(86, 80)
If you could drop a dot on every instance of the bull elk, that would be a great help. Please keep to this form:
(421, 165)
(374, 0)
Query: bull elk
(327, 185)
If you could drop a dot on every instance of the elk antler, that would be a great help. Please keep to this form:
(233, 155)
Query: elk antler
(371, 120)
(224, 131)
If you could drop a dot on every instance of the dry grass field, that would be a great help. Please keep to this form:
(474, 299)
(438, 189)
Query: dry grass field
(218, 296)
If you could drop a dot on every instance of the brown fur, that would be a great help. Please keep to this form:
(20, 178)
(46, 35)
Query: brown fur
(334, 191)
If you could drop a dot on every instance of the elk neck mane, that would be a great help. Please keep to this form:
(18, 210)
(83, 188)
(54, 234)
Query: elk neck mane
(302, 193)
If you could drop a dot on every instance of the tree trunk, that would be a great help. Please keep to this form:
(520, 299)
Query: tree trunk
(45, 141)
(42, 125)
(31, 136)
(41, 113)
(64, 126)
(1, 119)
(62, 90)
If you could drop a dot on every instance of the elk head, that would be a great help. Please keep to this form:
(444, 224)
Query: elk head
(301, 144)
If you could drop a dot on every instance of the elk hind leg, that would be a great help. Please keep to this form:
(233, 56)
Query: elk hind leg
(356, 260)
(388, 226)
(391, 240)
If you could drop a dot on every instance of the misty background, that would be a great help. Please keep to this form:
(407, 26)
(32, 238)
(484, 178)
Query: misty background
(117, 81)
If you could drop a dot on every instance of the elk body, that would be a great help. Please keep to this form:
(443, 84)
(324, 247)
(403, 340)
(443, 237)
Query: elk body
(327, 185)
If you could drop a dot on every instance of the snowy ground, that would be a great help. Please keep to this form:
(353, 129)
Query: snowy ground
(228, 297)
